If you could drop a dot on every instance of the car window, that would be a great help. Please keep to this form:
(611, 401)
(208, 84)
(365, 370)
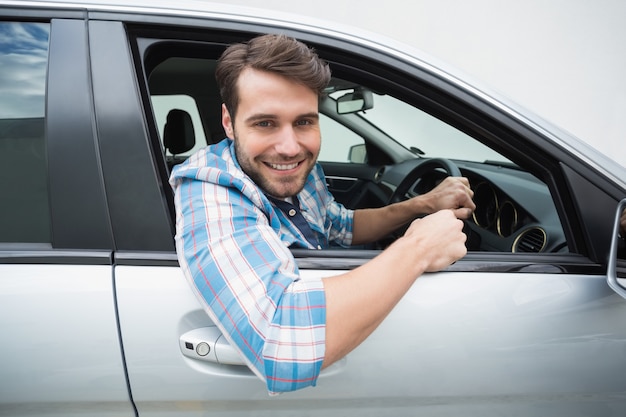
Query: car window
(185, 102)
(163, 105)
(24, 211)
(425, 134)
(515, 210)
(337, 141)
(371, 142)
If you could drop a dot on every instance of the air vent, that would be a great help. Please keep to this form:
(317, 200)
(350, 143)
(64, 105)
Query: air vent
(530, 240)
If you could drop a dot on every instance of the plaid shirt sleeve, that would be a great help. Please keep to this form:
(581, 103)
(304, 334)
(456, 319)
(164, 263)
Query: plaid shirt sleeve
(244, 275)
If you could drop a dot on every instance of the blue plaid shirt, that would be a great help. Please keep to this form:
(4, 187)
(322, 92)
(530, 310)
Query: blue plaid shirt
(232, 243)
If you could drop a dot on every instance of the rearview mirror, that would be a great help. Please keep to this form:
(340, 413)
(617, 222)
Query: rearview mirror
(356, 101)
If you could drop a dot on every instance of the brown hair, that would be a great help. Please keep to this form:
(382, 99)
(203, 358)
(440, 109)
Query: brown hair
(278, 54)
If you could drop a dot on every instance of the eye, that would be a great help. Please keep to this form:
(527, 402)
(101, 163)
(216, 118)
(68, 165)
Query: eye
(264, 123)
(304, 122)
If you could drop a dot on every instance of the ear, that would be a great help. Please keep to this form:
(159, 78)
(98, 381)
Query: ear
(227, 122)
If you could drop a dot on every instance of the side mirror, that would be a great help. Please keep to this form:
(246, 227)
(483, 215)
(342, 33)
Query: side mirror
(356, 101)
(357, 154)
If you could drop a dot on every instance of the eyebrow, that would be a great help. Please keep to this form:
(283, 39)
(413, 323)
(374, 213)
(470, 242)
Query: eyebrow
(260, 116)
(265, 116)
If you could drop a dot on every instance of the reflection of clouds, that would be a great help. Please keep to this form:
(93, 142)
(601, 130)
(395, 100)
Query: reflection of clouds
(23, 60)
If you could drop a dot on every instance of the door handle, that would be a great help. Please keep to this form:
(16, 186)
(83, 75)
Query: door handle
(209, 344)
(611, 269)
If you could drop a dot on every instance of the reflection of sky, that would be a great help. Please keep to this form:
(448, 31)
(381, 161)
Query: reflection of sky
(23, 60)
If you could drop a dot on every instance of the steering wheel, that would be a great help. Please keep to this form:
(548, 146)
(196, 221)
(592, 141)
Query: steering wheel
(473, 239)
(416, 173)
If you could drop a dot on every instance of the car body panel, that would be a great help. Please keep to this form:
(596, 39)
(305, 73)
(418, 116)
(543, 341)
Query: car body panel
(60, 342)
(514, 336)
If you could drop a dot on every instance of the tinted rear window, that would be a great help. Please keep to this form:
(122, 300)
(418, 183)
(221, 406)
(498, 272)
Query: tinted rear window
(24, 211)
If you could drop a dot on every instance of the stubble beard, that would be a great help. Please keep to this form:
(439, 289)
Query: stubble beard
(283, 187)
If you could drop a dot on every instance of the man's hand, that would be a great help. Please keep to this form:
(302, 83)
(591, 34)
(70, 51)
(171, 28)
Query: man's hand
(452, 193)
(439, 239)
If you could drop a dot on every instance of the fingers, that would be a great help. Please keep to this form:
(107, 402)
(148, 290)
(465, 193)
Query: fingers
(439, 239)
(455, 193)
(464, 213)
(466, 196)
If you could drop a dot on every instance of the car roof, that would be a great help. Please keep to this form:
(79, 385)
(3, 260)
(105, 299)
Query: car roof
(302, 23)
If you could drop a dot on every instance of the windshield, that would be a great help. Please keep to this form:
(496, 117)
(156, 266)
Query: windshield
(425, 134)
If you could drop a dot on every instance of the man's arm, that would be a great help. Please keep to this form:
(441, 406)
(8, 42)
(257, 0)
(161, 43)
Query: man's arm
(358, 301)
(246, 278)
(453, 193)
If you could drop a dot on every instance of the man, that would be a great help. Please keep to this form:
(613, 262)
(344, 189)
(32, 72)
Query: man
(243, 202)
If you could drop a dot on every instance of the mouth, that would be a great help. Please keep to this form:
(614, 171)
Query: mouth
(283, 167)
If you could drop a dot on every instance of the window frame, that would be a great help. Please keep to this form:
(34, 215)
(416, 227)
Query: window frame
(451, 103)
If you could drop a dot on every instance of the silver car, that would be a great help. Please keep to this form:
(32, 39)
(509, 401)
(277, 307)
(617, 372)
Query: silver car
(99, 101)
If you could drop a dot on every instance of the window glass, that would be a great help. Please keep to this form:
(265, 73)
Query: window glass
(337, 141)
(514, 212)
(418, 130)
(163, 104)
(24, 211)
(185, 102)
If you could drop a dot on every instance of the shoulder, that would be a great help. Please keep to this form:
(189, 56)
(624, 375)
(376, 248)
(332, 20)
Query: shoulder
(217, 166)
(208, 162)
(216, 155)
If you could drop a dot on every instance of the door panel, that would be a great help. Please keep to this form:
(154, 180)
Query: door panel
(457, 344)
(156, 308)
(60, 350)
(355, 185)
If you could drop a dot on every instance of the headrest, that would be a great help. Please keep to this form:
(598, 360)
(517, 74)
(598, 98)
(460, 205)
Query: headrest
(178, 133)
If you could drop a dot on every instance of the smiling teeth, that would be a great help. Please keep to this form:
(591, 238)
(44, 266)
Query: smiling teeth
(284, 167)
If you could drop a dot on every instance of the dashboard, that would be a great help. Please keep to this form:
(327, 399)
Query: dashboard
(514, 210)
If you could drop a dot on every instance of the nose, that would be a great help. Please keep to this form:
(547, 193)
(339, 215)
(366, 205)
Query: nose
(288, 143)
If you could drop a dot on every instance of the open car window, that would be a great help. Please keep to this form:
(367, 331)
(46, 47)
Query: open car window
(372, 142)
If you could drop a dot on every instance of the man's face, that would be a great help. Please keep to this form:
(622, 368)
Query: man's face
(276, 131)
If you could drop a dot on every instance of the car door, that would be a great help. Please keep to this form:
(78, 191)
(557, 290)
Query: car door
(497, 333)
(60, 352)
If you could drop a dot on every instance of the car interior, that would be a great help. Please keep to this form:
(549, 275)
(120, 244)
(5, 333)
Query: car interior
(368, 160)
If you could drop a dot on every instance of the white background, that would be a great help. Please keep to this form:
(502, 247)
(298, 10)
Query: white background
(563, 59)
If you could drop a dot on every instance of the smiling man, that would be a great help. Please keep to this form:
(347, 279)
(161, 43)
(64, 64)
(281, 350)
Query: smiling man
(242, 203)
